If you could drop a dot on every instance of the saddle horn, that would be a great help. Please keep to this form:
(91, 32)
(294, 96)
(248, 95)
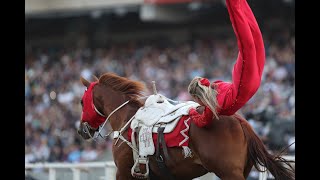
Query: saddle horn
(154, 87)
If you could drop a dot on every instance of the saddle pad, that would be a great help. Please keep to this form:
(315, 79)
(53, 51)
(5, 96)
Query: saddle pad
(177, 138)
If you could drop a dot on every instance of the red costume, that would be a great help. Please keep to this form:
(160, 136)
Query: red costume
(247, 71)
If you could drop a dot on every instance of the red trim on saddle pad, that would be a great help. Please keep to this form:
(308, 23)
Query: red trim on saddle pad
(175, 137)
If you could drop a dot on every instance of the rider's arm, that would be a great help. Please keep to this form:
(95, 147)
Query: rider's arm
(203, 119)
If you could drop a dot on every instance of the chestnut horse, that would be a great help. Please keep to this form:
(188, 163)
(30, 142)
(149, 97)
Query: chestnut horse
(229, 147)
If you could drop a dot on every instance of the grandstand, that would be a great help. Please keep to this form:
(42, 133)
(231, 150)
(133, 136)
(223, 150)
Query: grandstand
(167, 41)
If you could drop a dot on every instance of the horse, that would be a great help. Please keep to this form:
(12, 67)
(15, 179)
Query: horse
(229, 147)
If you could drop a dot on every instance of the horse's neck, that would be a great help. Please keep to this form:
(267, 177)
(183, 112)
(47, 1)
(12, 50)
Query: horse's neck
(125, 115)
(131, 112)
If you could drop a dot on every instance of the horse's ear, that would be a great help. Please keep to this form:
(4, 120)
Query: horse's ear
(84, 82)
(95, 78)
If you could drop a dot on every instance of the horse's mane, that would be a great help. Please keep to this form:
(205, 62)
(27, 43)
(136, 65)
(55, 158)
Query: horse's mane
(132, 89)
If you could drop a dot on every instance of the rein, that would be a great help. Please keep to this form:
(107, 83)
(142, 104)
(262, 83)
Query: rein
(99, 133)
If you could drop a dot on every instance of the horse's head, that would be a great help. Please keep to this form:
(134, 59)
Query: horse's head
(90, 116)
(106, 97)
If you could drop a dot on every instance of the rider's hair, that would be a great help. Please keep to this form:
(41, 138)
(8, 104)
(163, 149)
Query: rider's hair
(206, 94)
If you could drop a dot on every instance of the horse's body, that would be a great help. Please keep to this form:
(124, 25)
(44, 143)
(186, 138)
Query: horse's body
(225, 139)
(229, 147)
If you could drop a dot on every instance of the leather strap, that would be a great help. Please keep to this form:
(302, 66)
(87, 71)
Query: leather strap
(160, 161)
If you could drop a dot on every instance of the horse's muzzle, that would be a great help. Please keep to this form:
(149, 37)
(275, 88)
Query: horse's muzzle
(84, 132)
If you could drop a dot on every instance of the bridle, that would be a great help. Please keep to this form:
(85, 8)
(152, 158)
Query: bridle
(116, 134)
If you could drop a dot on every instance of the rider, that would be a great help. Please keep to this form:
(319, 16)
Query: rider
(225, 98)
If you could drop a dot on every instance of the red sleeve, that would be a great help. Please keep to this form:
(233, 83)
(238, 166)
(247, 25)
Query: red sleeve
(201, 120)
(247, 71)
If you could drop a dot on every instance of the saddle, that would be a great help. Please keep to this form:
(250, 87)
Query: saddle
(157, 115)
(158, 110)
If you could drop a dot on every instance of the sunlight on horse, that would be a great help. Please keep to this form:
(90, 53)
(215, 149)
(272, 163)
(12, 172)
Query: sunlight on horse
(229, 147)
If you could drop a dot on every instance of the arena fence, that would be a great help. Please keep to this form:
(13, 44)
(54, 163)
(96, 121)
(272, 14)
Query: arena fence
(108, 168)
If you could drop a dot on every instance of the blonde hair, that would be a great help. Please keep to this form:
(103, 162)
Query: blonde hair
(206, 94)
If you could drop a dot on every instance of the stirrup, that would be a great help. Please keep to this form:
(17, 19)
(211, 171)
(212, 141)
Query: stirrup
(135, 170)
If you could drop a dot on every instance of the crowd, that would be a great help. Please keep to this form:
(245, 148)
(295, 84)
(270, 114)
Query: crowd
(53, 89)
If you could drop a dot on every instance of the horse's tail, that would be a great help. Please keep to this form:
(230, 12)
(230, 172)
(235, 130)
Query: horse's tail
(279, 167)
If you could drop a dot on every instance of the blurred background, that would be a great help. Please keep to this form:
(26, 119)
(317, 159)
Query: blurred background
(167, 41)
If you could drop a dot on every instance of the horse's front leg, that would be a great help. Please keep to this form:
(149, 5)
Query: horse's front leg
(124, 174)
(123, 159)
